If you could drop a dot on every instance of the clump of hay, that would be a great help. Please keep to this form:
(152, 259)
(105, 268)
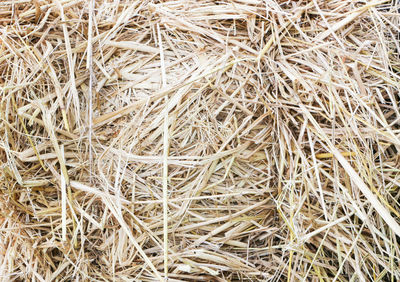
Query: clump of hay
(199, 140)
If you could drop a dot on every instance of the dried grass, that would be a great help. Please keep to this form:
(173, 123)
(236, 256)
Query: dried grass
(199, 140)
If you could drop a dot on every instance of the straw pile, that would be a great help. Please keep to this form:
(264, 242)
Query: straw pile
(199, 140)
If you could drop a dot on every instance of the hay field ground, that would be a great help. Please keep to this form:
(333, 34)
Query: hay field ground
(232, 140)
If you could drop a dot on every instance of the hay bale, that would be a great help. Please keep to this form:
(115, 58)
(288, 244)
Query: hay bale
(199, 140)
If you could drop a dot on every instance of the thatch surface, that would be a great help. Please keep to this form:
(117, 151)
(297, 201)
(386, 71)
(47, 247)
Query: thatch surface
(199, 140)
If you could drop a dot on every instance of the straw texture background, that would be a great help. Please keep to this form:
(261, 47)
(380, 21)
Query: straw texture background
(232, 140)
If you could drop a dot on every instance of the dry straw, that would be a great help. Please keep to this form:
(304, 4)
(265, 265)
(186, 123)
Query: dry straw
(199, 140)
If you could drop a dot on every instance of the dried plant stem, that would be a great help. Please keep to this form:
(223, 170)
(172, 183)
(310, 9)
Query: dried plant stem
(199, 140)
